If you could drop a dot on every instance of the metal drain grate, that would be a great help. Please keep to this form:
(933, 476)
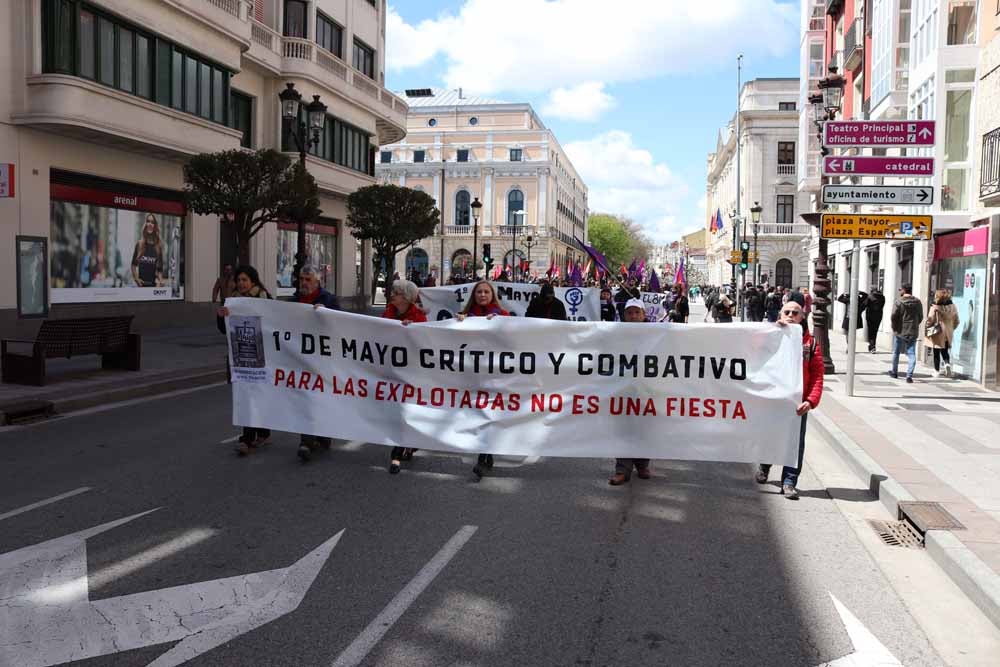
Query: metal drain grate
(898, 534)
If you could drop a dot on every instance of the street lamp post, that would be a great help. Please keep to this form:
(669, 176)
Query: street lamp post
(529, 243)
(477, 207)
(755, 212)
(513, 248)
(825, 105)
(304, 136)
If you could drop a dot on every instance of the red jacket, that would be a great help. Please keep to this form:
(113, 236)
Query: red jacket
(812, 370)
(413, 314)
(475, 310)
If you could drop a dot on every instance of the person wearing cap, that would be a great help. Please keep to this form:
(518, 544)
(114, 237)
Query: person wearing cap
(635, 311)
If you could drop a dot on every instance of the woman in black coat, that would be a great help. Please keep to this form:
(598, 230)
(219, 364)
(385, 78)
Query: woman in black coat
(862, 305)
(873, 316)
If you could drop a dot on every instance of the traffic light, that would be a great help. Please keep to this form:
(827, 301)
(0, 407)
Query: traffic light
(744, 255)
(487, 259)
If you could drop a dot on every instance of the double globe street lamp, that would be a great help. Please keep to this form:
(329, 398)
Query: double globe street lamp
(303, 136)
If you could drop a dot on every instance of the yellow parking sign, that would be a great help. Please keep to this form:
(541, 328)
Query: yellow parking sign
(861, 226)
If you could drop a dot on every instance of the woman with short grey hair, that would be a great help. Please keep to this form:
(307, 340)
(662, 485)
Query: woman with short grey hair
(403, 298)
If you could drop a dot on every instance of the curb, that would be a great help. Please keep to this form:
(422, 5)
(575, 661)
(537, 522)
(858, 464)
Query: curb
(153, 388)
(973, 577)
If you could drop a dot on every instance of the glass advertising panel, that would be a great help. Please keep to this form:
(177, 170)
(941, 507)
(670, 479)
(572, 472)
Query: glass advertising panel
(321, 251)
(960, 266)
(107, 252)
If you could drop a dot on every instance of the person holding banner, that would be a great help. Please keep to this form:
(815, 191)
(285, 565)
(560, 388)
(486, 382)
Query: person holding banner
(311, 292)
(608, 311)
(403, 308)
(484, 303)
(635, 311)
(248, 286)
(812, 391)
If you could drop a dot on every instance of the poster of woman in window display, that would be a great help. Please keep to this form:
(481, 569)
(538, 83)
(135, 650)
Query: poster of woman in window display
(321, 251)
(960, 267)
(106, 253)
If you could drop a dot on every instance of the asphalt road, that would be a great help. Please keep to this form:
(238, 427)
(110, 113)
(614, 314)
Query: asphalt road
(697, 566)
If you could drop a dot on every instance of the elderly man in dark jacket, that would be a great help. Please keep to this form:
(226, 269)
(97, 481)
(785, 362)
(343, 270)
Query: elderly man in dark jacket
(907, 318)
(311, 292)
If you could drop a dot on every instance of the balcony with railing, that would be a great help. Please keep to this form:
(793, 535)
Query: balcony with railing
(291, 56)
(989, 178)
(784, 229)
(854, 44)
(786, 169)
(458, 230)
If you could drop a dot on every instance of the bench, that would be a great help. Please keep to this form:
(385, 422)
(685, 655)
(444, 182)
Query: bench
(65, 338)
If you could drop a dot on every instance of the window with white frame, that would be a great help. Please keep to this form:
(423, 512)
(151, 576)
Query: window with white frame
(882, 49)
(958, 132)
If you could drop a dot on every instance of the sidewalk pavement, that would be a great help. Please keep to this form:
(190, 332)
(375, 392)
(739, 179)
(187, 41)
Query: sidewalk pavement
(172, 359)
(934, 440)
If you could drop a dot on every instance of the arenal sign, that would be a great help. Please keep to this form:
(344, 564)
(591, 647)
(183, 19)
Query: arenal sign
(863, 226)
(878, 194)
(883, 133)
(877, 166)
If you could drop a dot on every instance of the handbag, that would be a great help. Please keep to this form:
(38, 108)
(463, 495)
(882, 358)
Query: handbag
(934, 328)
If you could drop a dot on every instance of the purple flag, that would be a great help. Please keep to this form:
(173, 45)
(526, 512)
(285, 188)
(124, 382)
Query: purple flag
(632, 271)
(654, 282)
(595, 254)
(576, 278)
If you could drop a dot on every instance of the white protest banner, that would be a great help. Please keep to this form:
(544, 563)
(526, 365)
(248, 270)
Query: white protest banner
(521, 387)
(656, 305)
(583, 304)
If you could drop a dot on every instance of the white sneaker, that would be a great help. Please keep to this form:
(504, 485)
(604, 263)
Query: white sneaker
(947, 370)
(936, 374)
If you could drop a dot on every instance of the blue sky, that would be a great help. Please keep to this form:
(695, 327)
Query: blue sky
(636, 97)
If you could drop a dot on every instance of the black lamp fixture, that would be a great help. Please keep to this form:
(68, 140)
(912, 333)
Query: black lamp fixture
(477, 208)
(755, 212)
(832, 88)
(303, 136)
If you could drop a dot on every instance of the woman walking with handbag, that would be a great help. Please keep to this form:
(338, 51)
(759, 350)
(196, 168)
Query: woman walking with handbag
(939, 329)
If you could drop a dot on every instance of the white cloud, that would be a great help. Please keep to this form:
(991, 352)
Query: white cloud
(624, 179)
(533, 46)
(585, 102)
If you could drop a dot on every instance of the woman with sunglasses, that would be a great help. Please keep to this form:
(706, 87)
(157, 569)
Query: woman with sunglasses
(484, 303)
(812, 391)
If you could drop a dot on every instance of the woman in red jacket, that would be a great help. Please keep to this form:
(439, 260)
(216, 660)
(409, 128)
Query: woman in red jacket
(402, 307)
(812, 391)
(483, 303)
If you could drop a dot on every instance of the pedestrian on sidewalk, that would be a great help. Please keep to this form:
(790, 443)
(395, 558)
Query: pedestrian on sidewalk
(812, 392)
(862, 305)
(225, 285)
(403, 298)
(772, 304)
(635, 311)
(939, 329)
(248, 285)
(907, 318)
(311, 292)
(484, 303)
(873, 316)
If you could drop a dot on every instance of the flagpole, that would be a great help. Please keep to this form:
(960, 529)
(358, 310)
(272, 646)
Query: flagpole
(739, 103)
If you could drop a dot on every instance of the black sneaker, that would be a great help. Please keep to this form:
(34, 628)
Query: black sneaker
(893, 375)
(909, 380)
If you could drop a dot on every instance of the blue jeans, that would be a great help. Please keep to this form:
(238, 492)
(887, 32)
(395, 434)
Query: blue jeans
(898, 345)
(790, 475)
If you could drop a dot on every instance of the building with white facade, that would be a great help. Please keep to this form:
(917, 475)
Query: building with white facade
(769, 122)
(105, 100)
(459, 149)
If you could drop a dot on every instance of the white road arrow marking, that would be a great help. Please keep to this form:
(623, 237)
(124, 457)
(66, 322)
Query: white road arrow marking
(47, 618)
(868, 650)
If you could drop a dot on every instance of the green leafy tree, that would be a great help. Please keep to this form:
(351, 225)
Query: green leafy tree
(608, 234)
(250, 189)
(391, 218)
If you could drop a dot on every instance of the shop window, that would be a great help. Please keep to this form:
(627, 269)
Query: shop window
(321, 252)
